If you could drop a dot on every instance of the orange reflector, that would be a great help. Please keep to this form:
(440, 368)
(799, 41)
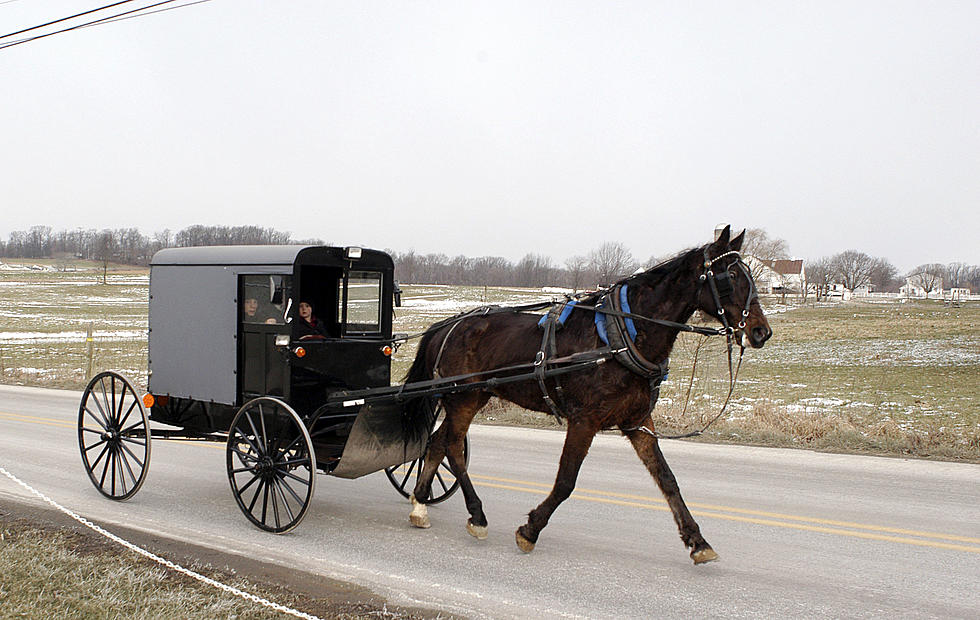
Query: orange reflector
(387, 350)
(148, 400)
(299, 351)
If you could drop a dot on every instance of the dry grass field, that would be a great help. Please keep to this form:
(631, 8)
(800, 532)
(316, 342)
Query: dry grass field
(878, 376)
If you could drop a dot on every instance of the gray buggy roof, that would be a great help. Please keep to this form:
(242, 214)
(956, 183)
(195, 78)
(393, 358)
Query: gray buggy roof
(229, 255)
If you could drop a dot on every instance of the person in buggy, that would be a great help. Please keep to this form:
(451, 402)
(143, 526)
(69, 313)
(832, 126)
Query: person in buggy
(307, 326)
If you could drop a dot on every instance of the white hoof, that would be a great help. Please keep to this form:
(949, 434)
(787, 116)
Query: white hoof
(478, 532)
(420, 514)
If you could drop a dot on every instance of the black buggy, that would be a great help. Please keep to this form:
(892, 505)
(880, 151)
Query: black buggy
(228, 362)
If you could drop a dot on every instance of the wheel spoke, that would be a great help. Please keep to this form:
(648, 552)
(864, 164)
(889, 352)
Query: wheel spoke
(285, 503)
(244, 455)
(441, 482)
(122, 422)
(265, 499)
(105, 400)
(124, 461)
(133, 441)
(258, 491)
(130, 452)
(255, 433)
(101, 454)
(265, 436)
(105, 418)
(290, 474)
(408, 475)
(94, 445)
(114, 458)
(251, 443)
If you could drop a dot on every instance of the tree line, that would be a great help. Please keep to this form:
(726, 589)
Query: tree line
(602, 265)
(130, 246)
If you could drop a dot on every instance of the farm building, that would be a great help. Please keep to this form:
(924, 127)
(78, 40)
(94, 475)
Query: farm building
(778, 276)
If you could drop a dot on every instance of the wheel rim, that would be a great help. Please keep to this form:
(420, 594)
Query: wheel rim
(270, 466)
(113, 436)
(444, 483)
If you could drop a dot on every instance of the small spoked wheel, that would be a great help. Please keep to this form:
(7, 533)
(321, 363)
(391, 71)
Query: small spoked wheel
(444, 484)
(271, 464)
(114, 436)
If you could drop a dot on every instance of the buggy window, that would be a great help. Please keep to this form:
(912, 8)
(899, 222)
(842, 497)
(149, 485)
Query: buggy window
(363, 302)
(261, 297)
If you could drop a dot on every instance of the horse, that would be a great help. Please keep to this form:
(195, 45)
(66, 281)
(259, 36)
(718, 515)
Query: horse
(619, 394)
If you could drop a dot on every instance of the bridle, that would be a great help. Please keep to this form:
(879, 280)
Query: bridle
(720, 284)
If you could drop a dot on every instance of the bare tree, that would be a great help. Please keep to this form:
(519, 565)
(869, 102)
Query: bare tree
(853, 269)
(767, 249)
(957, 275)
(105, 247)
(884, 276)
(928, 277)
(819, 273)
(576, 268)
(611, 261)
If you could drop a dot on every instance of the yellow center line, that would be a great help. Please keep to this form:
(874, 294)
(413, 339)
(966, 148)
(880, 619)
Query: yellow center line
(36, 420)
(729, 513)
(745, 511)
(728, 517)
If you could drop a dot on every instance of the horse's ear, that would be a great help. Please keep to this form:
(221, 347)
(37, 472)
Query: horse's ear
(722, 238)
(736, 243)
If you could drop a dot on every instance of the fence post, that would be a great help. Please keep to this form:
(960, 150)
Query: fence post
(90, 341)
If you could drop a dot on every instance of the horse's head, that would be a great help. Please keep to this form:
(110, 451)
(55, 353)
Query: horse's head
(727, 292)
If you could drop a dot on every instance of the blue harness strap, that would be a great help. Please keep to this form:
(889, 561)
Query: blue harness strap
(625, 305)
(565, 312)
(600, 323)
(600, 318)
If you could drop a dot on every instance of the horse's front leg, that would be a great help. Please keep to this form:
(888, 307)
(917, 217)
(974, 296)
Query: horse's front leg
(578, 439)
(648, 449)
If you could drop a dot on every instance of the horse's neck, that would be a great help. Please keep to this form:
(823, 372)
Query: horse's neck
(666, 300)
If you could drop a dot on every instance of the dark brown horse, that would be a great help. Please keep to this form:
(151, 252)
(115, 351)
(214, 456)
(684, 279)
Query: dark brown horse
(611, 395)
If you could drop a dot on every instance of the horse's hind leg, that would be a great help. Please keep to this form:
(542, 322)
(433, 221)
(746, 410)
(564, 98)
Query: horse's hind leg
(578, 439)
(648, 449)
(449, 441)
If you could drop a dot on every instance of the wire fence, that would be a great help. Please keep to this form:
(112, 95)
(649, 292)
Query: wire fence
(70, 359)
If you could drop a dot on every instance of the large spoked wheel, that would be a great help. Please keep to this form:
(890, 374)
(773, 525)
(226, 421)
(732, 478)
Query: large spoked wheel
(114, 436)
(444, 484)
(271, 464)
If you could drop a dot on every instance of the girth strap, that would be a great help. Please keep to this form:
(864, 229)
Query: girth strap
(551, 322)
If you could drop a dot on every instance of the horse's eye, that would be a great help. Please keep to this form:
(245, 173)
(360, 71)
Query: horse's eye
(732, 274)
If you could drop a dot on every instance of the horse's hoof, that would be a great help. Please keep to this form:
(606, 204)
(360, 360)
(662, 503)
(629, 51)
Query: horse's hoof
(704, 556)
(478, 532)
(523, 544)
(420, 515)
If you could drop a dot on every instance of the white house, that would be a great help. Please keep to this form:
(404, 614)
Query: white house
(778, 276)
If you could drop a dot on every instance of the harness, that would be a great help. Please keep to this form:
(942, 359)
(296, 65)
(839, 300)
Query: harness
(616, 327)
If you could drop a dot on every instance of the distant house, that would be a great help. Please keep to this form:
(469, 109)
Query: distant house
(778, 276)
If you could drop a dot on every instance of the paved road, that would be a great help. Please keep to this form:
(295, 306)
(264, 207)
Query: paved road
(800, 534)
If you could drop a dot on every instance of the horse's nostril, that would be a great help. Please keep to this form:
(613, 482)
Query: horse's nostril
(761, 334)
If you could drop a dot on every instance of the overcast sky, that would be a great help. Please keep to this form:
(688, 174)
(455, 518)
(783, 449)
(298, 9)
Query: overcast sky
(502, 128)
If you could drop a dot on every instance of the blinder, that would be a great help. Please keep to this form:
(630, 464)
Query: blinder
(722, 287)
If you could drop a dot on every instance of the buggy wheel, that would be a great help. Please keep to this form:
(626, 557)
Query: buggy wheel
(114, 436)
(271, 464)
(444, 484)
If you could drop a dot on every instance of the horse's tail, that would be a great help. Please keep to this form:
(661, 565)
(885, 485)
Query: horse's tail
(419, 412)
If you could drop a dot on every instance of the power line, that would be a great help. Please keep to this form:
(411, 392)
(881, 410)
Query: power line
(64, 19)
(138, 12)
